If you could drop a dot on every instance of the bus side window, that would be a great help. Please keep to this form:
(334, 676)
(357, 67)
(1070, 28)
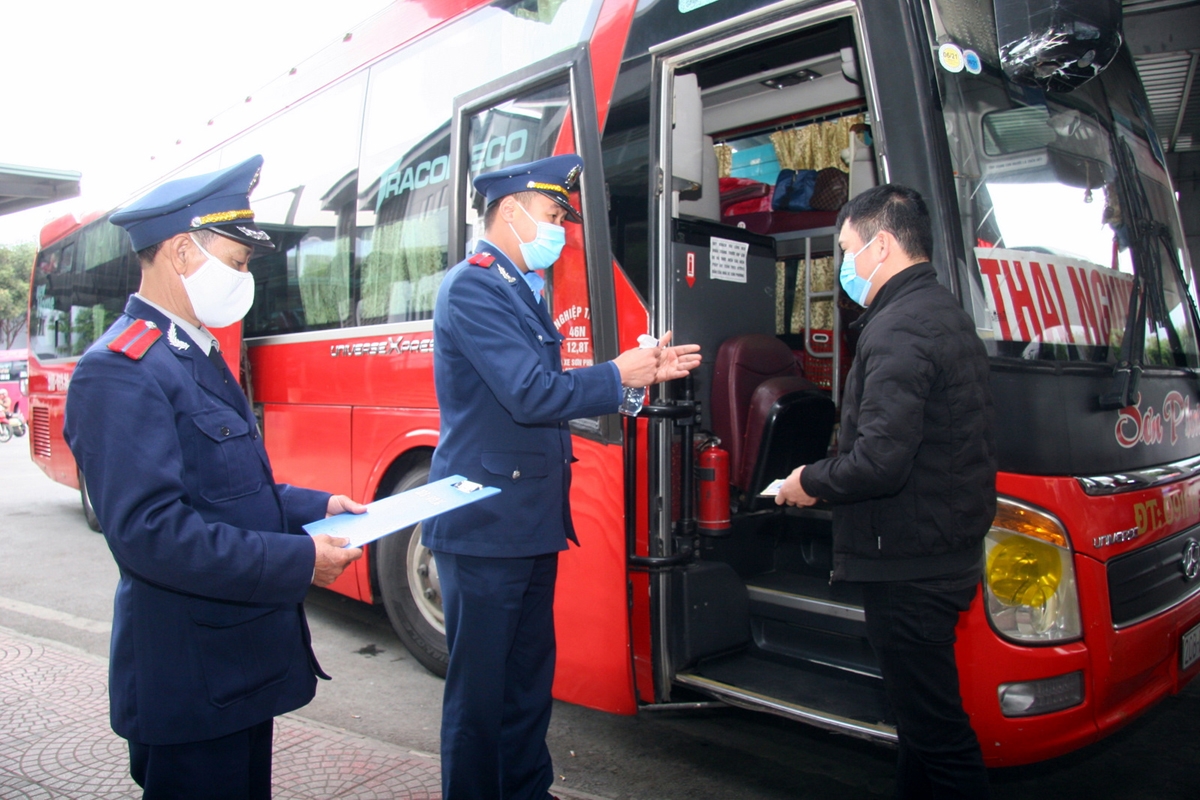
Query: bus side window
(305, 200)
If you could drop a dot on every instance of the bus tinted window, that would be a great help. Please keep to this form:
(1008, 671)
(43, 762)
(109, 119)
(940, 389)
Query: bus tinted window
(80, 287)
(525, 128)
(626, 150)
(404, 195)
(306, 200)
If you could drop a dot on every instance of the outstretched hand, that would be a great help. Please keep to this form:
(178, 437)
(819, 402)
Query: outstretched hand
(643, 366)
(675, 362)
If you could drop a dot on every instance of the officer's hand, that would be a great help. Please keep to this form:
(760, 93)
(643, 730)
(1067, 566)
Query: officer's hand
(675, 362)
(332, 558)
(339, 503)
(638, 366)
(792, 493)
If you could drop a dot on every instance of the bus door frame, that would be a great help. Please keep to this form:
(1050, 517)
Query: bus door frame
(762, 24)
(576, 65)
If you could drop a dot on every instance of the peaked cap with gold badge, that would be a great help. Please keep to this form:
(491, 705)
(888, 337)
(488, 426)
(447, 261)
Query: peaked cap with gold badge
(556, 177)
(219, 201)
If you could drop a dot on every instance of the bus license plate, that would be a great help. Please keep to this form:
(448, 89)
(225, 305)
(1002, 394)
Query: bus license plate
(1189, 648)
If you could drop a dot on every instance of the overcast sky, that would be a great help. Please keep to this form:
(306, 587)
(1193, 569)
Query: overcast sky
(99, 87)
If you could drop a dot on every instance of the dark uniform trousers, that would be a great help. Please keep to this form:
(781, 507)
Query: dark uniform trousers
(499, 616)
(233, 767)
(910, 625)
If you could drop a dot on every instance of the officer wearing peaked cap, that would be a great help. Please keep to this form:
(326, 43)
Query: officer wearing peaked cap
(505, 401)
(209, 639)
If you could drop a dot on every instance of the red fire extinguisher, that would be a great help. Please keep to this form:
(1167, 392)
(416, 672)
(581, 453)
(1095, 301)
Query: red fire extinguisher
(712, 473)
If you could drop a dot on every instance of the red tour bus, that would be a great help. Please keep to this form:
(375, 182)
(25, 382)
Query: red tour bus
(1054, 222)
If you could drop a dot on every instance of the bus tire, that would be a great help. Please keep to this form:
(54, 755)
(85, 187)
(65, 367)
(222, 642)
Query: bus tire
(85, 500)
(409, 585)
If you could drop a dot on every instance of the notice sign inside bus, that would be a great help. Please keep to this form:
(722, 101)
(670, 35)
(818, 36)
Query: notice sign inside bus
(1039, 297)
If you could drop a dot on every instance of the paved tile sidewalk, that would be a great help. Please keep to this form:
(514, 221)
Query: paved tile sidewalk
(55, 741)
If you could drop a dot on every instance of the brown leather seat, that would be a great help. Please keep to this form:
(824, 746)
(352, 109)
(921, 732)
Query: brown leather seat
(768, 416)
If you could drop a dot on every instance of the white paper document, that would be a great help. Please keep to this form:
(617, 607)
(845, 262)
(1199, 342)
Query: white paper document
(773, 488)
(399, 511)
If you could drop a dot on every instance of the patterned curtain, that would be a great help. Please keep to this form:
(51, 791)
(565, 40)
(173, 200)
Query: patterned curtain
(822, 310)
(724, 160)
(815, 146)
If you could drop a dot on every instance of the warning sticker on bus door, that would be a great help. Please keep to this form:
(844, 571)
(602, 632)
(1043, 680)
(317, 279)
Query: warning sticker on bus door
(1039, 297)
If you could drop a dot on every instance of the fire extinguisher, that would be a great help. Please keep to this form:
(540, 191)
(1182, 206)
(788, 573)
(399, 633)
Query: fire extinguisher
(712, 472)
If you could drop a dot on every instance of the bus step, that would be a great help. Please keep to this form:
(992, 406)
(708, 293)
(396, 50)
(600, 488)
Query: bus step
(807, 594)
(830, 699)
(803, 617)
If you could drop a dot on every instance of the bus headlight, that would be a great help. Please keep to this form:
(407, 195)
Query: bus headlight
(1029, 577)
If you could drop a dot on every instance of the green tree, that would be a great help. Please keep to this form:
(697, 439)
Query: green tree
(16, 261)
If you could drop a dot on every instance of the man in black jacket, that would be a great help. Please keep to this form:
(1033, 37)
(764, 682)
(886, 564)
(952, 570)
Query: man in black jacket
(913, 485)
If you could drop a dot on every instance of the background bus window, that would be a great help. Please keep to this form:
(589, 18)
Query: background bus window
(80, 287)
(305, 199)
(404, 191)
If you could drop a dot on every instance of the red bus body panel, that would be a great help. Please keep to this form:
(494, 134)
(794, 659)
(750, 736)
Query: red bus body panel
(1126, 671)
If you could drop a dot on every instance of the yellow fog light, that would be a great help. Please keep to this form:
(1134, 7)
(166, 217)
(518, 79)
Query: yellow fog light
(1029, 576)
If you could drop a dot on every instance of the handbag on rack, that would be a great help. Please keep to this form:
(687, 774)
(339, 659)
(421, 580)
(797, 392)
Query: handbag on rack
(794, 190)
(832, 190)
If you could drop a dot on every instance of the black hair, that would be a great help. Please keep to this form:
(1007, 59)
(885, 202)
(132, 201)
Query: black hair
(896, 209)
(493, 208)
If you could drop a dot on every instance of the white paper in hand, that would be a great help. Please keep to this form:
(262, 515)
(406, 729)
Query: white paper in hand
(399, 511)
(773, 488)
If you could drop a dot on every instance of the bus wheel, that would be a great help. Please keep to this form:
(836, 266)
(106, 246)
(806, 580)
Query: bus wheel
(85, 499)
(408, 581)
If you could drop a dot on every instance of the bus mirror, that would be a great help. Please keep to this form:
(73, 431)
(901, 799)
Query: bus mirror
(687, 135)
(1082, 172)
(1057, 44)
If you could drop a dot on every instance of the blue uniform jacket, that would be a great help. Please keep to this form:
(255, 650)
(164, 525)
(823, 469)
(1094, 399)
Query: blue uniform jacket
(505, 402)
(209, 635)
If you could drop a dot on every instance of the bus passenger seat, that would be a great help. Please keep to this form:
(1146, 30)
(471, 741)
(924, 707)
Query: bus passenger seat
(767, 415)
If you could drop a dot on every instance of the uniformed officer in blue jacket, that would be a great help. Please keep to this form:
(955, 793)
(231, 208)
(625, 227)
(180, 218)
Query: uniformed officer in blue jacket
(209, 639)
(505, 402)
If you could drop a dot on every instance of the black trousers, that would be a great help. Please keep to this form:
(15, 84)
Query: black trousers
(910, 625)
(233, 767)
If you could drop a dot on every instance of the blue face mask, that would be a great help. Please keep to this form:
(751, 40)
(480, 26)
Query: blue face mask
(546, 247)
(856, 287)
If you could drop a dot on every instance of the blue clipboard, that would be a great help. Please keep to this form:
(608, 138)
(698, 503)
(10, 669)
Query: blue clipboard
(399, 511)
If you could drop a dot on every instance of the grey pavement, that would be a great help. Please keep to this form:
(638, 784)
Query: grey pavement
(57, 742)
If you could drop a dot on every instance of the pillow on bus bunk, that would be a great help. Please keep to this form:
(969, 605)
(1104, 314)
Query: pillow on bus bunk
(794, 190)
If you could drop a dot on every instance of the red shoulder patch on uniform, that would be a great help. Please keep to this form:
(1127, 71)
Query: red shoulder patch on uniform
(482, 259)
(135, 340)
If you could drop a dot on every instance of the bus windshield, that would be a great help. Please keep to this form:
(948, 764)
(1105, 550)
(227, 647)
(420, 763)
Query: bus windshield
(1053, 192)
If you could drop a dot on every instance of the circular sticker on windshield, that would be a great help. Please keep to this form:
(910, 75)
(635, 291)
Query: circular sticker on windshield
(950, 56)
(972, 63)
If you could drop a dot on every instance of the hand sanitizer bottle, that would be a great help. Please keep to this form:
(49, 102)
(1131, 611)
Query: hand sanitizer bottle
(635, 397)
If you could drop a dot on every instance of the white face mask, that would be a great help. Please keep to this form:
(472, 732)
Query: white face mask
(220, 294)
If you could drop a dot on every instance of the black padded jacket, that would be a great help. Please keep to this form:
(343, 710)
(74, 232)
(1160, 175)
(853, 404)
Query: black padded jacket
(914, 482)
